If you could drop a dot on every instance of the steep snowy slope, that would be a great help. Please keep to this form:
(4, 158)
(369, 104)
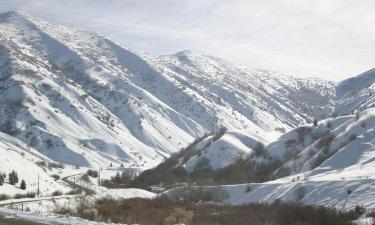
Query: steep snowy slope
(222, 150)
(80, 98)
(343, 179)
(60, 98)
(356, 94)
(264, 98)
(332, 165)
(334, 146)
(19, 157)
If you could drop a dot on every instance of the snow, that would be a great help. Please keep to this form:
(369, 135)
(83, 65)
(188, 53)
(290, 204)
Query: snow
(226, 150)
(77, 98)
(90, 101)
(16, 156)
(48, 218)
(332, 193)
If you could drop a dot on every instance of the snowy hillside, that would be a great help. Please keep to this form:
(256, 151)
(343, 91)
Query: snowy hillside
(23, 159)
(332, 165)
(356, 94)
(79, 98)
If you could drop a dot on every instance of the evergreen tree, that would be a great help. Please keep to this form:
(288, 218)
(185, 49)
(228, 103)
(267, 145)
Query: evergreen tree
(13, 177)
(117, 178)
(2, 179)
(23, 185)
(315, 122)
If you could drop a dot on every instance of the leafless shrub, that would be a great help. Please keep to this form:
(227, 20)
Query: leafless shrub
(300, 193)
(326, 140)
(179, 216)
(82, 202)
(57, 193)
(290, 153)
(352, 137)
(199, 194)
(4, 197)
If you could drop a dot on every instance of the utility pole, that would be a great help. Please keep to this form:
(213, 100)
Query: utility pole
(38, 186)
(99, 183)
(99, 178)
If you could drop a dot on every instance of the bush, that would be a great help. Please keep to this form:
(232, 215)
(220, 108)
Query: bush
(120, 180)
(92, 173)
(357, 116)
(280, 129)
(57, 193)
(19, 196)
(161, 211)
(30, 195)
(326, 140)
(55, 176)
(259, 149)
(4, 197)
(283, 171)
(41, 163)
(290, 153)
(198, 194)
(27, 195)
(289, 143)
(179, 216)
(202, 164)
(300, 193)
(352, 137)
(301, 132)
(85, 178)
(74, 192)
(55, 165)
(317, 161)
(360, 210)
(63, 210)
(82, 203)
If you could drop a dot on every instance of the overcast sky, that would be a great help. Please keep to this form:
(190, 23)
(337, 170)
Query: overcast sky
(331, 39)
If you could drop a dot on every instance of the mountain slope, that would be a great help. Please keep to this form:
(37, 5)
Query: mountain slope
(356, 93)
(332, 165)
(19, 157)
(80, 98)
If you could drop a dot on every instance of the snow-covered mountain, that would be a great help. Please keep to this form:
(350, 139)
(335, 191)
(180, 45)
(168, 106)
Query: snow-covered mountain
(80, 98)
(330, 164)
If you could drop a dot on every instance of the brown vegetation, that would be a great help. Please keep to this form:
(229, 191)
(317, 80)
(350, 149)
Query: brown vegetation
(162, 211)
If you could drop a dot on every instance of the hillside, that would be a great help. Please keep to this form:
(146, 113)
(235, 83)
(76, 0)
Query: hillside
(333, 165)
(332, 149)
(23, 159)
(82, 99)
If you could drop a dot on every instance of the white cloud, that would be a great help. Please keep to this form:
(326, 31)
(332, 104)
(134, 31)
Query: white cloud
(331, 39)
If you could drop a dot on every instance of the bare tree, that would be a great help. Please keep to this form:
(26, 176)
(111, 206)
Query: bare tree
(82, 203)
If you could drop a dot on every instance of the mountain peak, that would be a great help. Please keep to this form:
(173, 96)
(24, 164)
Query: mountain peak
(11, 14)
(185, 52)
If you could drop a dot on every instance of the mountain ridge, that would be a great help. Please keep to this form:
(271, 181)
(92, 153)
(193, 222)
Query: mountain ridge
(98, 102)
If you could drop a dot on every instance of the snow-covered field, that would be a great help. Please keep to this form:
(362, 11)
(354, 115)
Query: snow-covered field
(48, 218)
